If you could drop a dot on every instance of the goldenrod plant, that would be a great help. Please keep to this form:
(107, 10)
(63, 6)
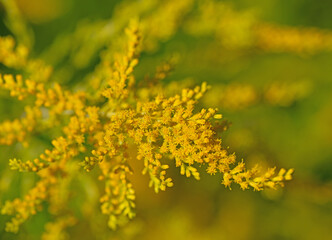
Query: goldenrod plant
(86, 117)
(96, 128)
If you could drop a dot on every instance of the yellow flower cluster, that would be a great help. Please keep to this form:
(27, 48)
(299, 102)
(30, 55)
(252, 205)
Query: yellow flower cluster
(49, 188)
(285, 94)
(274, 38)
(11, 56)
(22, 209)
(233, 96)
(55, 230)
(98, 129)
(236, 96)
(121, 77)
(118, 202)
(16, 56)
(246, 178)
(18, 129)
(239, 29)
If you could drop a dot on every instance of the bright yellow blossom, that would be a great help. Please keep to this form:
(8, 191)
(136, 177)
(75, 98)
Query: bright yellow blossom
(99, 128)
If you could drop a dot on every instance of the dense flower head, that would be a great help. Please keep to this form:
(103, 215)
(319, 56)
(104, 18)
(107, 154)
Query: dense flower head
(99, 126)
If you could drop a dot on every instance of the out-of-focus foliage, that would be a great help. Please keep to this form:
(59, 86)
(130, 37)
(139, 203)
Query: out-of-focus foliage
(268, 65)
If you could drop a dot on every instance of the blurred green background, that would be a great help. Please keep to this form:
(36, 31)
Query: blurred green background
(285, 121)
